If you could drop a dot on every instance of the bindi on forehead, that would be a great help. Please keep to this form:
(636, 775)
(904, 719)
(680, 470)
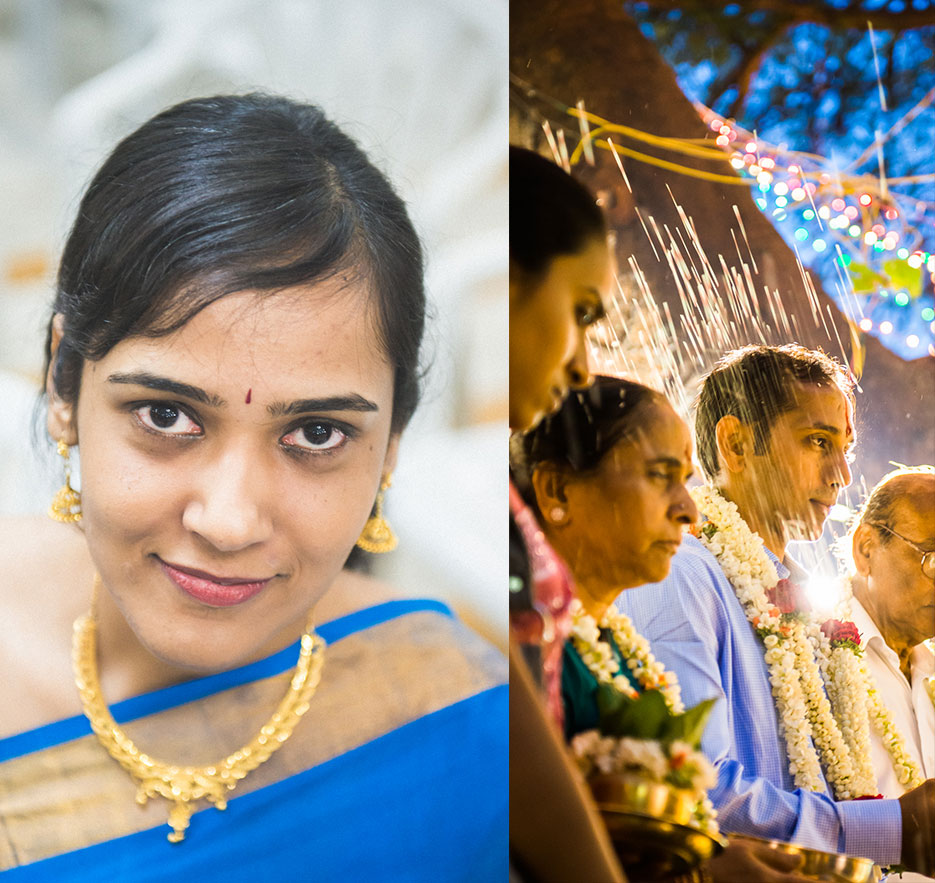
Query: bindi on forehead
(249, 396)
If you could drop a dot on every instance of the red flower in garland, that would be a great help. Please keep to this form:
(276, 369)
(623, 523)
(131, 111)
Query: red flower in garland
(788, 597)
(839, 632)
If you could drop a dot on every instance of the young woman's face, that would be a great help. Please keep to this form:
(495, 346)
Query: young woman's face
(548, 321)
(228, 468)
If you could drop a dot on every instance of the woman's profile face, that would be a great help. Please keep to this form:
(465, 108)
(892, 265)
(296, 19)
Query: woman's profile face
(228, 468)
(548, 320)
(625, 519)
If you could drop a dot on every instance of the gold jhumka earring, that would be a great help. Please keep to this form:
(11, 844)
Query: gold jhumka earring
(377, 536)
(66, 506)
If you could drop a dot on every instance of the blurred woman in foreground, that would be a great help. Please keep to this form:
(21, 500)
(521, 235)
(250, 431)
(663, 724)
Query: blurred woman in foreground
(560, 270)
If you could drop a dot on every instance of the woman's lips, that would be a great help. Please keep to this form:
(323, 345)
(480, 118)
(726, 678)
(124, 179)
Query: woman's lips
(215, 591)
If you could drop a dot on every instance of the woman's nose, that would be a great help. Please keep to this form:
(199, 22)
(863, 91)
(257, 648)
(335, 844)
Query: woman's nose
(684, 509)
(228, 506)
(577, 368)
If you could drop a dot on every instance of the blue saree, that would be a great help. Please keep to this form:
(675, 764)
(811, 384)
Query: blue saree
(397, 772)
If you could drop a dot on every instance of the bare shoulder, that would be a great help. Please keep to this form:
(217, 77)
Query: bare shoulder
(45, 583)
(39, 559)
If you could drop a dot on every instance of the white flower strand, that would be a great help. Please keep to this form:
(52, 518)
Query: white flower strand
(634, 648)
(794, 727)
(825, 729)
(861, 708)
(907, 771)
(848, 688)
(805, 715)
(615, 754)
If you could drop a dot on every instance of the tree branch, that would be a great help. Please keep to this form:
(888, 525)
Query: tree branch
(726, 78)
(815, 13)
(752, 66)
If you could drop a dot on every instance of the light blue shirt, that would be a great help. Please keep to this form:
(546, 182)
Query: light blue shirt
(697, 628)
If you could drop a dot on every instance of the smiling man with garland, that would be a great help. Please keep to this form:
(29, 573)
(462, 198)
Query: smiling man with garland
(774, 428)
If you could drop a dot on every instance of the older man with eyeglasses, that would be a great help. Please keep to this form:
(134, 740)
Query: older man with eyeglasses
(894, 610)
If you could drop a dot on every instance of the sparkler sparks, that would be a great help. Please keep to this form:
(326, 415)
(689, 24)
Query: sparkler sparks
(721, 309)
(876, 65)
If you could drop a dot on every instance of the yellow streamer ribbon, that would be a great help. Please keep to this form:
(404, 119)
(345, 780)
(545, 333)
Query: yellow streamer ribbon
(665, 164)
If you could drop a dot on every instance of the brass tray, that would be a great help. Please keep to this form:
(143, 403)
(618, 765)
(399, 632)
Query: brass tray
(650, 825)
(827, 867)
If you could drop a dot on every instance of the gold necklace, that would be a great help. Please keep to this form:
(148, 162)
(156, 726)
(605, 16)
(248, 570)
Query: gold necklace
(182, 785)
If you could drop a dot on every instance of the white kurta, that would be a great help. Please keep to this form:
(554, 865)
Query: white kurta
(909, 705)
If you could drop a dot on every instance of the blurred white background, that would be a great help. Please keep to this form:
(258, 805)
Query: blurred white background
(421, 85)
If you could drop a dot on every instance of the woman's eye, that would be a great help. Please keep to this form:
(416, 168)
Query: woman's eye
(318, 435)
(820, 441)
(166, 419)
(587, 314)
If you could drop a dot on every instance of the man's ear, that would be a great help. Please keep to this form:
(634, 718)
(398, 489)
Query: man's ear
(734, 443)
(864, 540)
(60, 416)
(548, 483)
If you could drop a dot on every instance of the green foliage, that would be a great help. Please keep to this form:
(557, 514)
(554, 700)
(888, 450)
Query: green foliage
(864, 279)
(648, 717)
(901, 275)
(764, 632)
(896, 275)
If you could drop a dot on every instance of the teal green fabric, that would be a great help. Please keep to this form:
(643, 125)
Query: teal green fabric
(579, 688)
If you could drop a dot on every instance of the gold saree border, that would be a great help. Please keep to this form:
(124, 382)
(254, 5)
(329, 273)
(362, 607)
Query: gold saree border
(74, 794)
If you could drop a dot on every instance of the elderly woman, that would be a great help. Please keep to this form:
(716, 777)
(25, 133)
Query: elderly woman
(234, 349)
(606, 475)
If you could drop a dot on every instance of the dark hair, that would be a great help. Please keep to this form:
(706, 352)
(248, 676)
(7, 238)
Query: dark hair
(551, 213)
(589, 423)
(755, 384)
(229, 193)
(878, 507)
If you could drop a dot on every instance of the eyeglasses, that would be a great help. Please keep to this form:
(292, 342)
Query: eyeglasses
(928, 555)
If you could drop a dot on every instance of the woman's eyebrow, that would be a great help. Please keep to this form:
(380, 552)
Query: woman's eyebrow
(165, 384)
(666, 460)
(671, 462)
(350, 402)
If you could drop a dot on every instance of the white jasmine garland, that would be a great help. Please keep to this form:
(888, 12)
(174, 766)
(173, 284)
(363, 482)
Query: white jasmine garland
(806, 720)
(618, 754)
(842, 666)
(634, 648)
(642, 755)
(621, 754)
(676, 764)
(907, 771)
(684, 758)
(860, 707)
